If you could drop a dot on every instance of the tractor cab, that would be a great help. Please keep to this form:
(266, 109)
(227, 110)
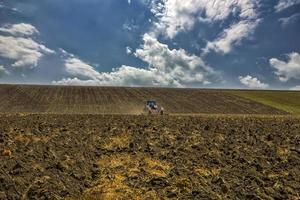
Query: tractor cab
(152, 108)
(151, 104)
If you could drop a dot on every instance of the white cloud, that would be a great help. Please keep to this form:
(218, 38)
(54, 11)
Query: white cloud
(175, 16)
(84, 74)
(20, 48)
(233, 35)
(123, 76)
(24, 52)
(252, 82)
(129, 1)
(289, 20)
(130, 25)
(65, 54)
(284, 4)
(297, 88)
(76, 81)
(286, 70)
(128, 50)
(8, 8)
(76, 67)
(19, 29)
(167, 67)
(3, 71)
(177, 64)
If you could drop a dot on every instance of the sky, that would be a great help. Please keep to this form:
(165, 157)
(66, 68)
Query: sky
(249, 44)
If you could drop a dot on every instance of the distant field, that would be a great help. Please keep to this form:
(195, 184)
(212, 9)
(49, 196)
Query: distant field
(116, 100)
(288, 101)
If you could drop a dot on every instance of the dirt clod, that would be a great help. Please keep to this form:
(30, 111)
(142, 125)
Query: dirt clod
(6, 152)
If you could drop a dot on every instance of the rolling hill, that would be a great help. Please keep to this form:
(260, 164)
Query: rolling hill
(121, 100)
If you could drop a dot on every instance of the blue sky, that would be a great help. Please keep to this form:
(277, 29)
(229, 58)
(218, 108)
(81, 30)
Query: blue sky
(163, 43)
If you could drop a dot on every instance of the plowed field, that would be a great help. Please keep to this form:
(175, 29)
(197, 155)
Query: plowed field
(110, 100)
(91, 143)
(141, 157)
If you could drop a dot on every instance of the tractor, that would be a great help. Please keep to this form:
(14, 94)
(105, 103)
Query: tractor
(152, 108)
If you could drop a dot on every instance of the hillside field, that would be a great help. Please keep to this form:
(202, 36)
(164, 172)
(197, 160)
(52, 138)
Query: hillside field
(113, 100)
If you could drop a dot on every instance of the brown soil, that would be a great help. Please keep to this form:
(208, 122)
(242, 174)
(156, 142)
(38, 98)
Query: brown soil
(140, 157)
(110, 100)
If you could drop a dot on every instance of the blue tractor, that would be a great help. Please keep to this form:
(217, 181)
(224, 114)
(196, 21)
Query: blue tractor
(152, 108)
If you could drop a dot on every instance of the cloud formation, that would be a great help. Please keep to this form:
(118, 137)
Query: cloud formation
(3, 71)
(76, 67)
(231, 36)
(289, 69)
(174, 68)
(177, 64)
(285, 21)
(214, 26)
(22, 51)
(21, 29)
(123, 76)
(81, 73)
(252, 82)
(175, 16)
(128, 50)
(284, 4)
